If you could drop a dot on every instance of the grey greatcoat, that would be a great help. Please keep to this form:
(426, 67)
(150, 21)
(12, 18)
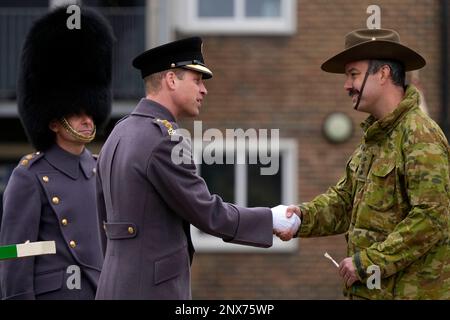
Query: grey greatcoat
(51, 196)
(147, 203)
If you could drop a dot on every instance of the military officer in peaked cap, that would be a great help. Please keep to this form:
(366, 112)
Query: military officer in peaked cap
(63, 93)
(147, 202)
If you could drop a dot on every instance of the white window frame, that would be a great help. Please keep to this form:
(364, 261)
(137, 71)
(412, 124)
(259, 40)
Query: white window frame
(207, 243)
(188, 20)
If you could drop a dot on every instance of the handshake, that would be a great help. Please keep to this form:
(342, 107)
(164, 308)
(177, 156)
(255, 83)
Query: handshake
(286, 221)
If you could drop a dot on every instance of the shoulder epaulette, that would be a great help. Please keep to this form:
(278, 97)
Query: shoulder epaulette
(30, 158)
(165, 126)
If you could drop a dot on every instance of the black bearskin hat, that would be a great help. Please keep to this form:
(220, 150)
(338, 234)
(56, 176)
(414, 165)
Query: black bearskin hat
(64, 71)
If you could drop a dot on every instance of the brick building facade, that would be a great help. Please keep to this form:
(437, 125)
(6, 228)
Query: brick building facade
(268, 81)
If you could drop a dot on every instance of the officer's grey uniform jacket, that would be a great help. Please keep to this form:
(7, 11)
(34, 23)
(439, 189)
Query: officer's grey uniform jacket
(148, 202)
(51, 196)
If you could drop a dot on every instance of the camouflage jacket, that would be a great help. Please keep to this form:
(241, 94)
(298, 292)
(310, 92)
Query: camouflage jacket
(393, 206)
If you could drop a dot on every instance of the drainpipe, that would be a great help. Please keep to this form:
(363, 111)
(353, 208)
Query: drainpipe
(445, 67)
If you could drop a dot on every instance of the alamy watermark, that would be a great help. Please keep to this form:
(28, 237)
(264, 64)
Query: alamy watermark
(74, 279)
(74, 20)
(374, 280)
(251, 146)
(374, 20)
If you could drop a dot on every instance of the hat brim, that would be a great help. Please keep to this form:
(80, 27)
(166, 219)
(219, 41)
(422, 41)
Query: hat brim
(207, 74)
(375, 50)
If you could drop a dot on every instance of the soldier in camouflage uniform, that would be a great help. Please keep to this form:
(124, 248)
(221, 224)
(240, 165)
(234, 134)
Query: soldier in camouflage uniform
(393, 201)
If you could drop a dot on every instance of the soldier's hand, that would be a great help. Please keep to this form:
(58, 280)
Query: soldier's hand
(348, 272)
(284, 235)
(293, 209)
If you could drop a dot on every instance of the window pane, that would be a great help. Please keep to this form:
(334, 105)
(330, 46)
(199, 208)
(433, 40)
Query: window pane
(220, 180)
(263, 190)
(263, 8)
(215, 8)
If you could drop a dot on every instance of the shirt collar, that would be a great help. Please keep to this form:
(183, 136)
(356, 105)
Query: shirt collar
(69, 163)
(375, 129)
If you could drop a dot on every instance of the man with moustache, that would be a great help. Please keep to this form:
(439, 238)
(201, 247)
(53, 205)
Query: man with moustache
(64, 91)
(392, 203)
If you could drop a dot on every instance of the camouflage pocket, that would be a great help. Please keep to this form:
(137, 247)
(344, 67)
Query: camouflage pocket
(380, 190)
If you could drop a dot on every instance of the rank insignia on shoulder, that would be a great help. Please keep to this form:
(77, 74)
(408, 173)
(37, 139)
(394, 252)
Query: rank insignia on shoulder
(29, 157)
(168, 125)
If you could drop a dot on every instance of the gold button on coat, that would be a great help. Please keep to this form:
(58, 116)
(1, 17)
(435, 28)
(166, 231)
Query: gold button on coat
(45, 179)
(24, 162)
(55, 200)
(72, 244)
(130, 230)
(64, 222)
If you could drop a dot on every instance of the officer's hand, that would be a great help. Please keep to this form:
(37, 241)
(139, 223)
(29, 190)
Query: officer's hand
(348, 271)
(291, 210)
(284, 227)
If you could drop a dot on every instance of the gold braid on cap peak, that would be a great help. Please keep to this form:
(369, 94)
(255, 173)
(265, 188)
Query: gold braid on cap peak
(75, 134)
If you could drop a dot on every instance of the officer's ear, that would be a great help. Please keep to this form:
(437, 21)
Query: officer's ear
(171, 80)
(54, 125)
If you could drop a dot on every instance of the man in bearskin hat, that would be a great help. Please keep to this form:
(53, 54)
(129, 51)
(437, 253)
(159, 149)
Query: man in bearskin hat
(393, 201)
(64, 92)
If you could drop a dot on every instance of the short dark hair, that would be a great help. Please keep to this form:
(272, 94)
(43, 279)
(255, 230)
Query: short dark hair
(153, 81)
(398, 74)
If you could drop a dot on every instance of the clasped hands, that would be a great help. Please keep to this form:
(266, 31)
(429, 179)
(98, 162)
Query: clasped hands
(286, 221)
